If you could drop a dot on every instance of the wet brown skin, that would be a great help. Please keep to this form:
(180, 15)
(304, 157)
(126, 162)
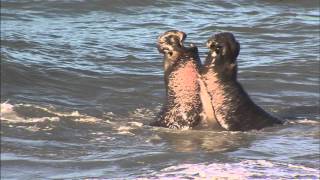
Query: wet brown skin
(183, 108)
(233, 107)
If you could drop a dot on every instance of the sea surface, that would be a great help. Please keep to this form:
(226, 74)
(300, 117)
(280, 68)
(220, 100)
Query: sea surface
(82, 79)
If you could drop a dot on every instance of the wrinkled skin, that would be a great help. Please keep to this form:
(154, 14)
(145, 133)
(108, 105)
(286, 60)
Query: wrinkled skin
(233, 107)
(187, 104)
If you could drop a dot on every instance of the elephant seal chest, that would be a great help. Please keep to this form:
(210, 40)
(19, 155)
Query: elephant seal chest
(184, 106)
(183, 86)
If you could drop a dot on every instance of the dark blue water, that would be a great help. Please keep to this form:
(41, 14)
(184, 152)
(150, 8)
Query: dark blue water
(81, 78)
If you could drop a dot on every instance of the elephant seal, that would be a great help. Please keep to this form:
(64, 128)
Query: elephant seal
(233, 107)
(188, 103)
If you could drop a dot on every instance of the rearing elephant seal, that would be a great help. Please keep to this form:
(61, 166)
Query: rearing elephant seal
(233, 107)
(184, 107)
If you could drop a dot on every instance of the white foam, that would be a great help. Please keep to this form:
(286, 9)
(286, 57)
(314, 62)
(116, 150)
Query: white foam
(9, 114)
(124, 130)
(304, 121)
(137, 124)
(6, 107)
(242, 170)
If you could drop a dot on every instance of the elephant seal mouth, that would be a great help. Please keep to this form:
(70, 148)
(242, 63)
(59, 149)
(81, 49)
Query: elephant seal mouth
(214, 47)
(223, 51)
(173, 41)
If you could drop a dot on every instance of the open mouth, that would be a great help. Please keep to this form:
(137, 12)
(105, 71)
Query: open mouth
(182, 43)
(214, 46)
(172, 37)
(173, 42)
(182, 37)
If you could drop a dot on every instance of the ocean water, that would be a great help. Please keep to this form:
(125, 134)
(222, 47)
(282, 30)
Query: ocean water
(81, 80)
